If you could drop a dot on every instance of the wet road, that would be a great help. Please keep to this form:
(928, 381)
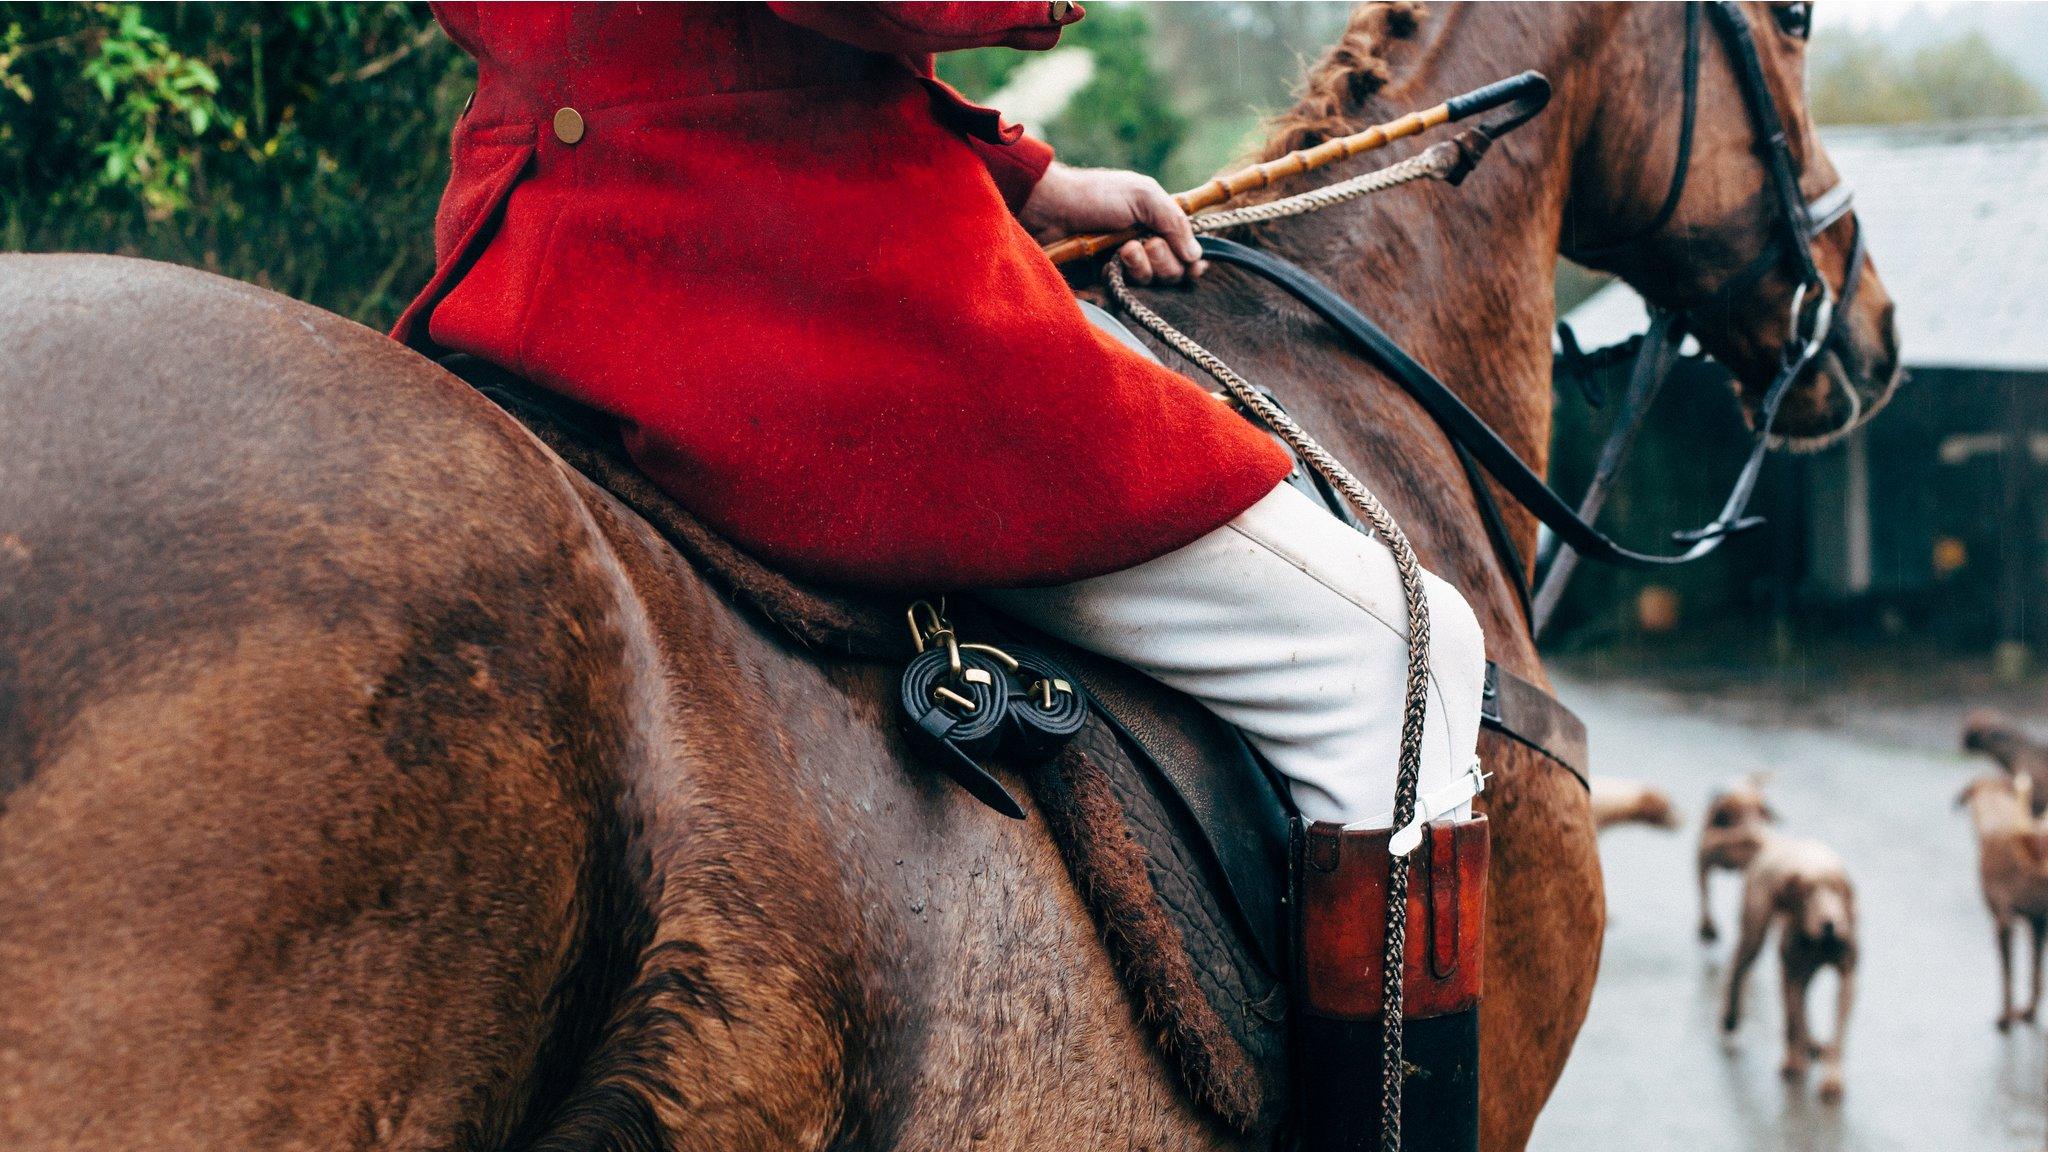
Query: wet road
(1924, 1068)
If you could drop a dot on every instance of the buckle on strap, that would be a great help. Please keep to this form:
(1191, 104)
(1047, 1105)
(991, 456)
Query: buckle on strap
(1534, 718)
(1461, 790)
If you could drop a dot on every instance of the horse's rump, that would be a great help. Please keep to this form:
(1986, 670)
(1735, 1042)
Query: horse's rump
(303, 705)
(366, 777)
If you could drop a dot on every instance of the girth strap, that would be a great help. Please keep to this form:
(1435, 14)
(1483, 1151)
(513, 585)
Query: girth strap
(1530, 716)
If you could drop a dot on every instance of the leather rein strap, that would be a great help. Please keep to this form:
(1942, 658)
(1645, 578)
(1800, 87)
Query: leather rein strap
(1464, 427)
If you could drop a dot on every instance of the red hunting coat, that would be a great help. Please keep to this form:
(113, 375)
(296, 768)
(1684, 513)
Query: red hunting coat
(784, 257)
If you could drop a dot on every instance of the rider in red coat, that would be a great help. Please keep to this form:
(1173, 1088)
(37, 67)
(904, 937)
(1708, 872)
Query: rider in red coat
(787, 259)
(797, 270)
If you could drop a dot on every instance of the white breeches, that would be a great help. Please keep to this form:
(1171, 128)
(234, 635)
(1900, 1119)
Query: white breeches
(1289, 624)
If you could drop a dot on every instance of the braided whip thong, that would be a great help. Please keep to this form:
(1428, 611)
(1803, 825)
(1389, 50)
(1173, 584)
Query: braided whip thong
(1415, 701)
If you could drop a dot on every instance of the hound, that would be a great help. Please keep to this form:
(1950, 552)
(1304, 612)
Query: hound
(1738, 819)
(2012, 866)
(2006, 742)
(1619, 801)
(1803, 885)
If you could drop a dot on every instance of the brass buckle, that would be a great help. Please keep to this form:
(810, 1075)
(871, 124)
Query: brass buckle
(936, 629)
(929, 626)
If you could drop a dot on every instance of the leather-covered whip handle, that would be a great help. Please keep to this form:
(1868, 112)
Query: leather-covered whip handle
(1529, 86)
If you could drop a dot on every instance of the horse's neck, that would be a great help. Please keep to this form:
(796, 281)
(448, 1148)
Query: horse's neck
(1463, 277)
(1467, 293)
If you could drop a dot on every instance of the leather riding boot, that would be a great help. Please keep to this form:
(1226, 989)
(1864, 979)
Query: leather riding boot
(1341, 880)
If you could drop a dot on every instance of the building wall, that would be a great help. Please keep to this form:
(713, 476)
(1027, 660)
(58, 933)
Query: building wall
(1952, 477)
(1934, 518)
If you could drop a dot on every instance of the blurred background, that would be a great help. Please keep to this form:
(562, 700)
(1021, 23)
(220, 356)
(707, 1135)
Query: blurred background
(1898, 582)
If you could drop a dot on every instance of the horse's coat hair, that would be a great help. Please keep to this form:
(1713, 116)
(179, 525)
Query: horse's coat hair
(370, 780)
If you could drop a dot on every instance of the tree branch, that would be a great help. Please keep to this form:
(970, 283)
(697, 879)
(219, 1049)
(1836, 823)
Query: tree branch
(382, 64)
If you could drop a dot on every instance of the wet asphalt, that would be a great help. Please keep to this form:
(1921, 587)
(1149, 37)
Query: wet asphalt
(1925, 1069)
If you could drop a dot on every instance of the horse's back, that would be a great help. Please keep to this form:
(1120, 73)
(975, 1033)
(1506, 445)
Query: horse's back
(310, 675)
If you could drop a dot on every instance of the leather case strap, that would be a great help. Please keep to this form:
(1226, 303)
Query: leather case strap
(1343, 902)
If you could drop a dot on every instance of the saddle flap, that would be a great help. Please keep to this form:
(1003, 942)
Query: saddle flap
(1238, 812)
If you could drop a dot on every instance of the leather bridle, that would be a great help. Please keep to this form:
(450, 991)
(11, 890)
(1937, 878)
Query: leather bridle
(1810, 323)
(1796, 224)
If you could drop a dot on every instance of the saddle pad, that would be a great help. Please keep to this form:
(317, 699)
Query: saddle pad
(1175, 836)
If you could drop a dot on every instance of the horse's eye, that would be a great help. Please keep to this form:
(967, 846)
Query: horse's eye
(1795, 19)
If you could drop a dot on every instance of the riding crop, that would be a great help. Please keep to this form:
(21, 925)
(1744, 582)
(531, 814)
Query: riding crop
(1529, 91)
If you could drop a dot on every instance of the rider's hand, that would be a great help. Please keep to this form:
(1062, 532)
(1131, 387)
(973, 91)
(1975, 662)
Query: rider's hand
(1072, 200)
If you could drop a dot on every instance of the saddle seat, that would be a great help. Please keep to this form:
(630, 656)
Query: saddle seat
(1174, 832)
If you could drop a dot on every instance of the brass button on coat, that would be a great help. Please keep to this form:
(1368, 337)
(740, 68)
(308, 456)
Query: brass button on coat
(568, 125)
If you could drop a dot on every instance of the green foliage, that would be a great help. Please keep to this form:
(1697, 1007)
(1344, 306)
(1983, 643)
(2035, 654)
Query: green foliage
(1122, 118)
(980, 73)
(154, 82)
(302, 146)
(1858, 79)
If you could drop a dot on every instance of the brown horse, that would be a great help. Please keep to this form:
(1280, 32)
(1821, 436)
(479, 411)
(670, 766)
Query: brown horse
(370, 779)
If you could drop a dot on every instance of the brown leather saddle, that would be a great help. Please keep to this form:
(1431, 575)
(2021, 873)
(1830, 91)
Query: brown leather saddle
(1176, 834)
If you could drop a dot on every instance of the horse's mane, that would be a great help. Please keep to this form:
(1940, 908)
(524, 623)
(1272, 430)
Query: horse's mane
(1349, 74)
